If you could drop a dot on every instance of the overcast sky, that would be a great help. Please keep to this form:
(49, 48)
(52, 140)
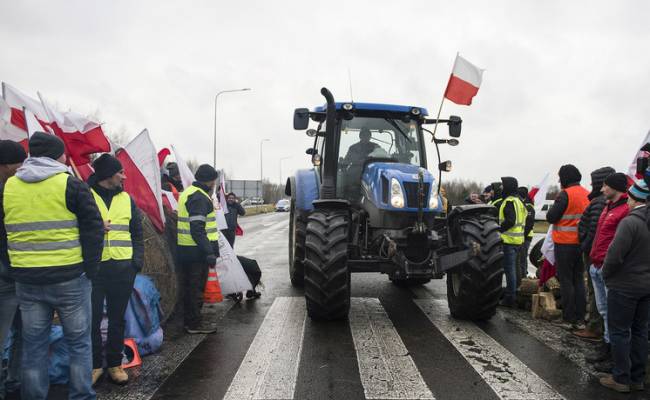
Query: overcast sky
(565, 82)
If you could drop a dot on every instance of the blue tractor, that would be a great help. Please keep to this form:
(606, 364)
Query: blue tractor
(369, 204)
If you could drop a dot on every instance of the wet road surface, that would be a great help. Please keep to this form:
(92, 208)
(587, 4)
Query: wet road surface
(398, 344)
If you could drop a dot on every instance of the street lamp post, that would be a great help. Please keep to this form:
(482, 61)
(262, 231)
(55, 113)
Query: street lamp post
(282, 159)
(214, 142)
(261, 162)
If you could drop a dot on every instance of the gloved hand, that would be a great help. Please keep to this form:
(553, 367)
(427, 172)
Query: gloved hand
(211, 260)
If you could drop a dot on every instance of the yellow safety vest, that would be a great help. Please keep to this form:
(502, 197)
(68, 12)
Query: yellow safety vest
(496, 203)
(184, 219)
(117, 241)
(514, 235)
(41, 231)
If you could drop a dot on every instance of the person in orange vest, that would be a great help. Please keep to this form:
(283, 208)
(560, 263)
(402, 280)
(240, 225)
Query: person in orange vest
(565, 214)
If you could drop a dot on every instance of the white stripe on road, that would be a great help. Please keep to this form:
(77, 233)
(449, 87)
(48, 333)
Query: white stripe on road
(506, 374)
(270, 367)
(386, 368)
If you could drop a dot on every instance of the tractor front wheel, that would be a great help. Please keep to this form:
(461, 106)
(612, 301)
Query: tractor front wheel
(475, 287)
(297, 231)
(327, 277)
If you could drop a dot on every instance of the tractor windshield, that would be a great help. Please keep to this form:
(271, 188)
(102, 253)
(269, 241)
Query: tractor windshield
(382, 138)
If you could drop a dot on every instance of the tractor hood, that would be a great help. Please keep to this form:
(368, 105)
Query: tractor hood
(376, 183)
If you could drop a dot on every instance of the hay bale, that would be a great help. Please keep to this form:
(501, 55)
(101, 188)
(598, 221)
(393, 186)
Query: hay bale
(159, 263)
(529, 286)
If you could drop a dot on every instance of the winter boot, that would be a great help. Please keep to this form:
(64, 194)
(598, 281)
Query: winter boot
(97, 373)
(608, 381)
(603, 353)
(253, 294)
(118, 375)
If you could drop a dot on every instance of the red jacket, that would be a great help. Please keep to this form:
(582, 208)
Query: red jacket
(612, 214)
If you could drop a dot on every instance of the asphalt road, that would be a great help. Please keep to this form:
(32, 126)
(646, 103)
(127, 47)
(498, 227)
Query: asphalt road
(398, 344)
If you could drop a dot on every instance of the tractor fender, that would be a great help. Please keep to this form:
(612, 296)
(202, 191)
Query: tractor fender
(304, 188)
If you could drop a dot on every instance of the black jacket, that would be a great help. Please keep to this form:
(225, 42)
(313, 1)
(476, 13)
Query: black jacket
(198, 205)
(234, 210)
(589, 222)
(627, 264)
(135, 225)
(80, 202)
(530, 218)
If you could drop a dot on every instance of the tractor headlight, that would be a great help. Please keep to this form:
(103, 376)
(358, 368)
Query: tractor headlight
(396, 194)
(434, 200)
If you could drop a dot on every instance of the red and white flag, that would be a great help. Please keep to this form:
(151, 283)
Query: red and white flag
(82, 136)
(464, 82)
(9, 131)
(538, 193)
(140, 161)
(187, 177)
(639, 154)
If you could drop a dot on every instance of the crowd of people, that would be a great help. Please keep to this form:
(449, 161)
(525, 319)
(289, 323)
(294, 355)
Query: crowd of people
(598, 248)
(70, 251)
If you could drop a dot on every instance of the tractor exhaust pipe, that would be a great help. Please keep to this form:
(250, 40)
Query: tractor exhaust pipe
(328, 187)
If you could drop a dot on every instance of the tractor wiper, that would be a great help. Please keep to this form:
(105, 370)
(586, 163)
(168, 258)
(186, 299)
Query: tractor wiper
(394, 125)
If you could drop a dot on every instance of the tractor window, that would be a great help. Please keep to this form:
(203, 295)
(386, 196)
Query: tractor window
(382, 138)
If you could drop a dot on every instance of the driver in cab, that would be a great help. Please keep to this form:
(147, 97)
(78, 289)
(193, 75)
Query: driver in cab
(359, 152)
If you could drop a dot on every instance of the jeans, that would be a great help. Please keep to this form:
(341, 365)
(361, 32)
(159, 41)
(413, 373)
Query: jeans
(510, 253)
(570, 272)
(194, 278)
(600, 294)
(8, 307)
(71, 301)
(628, 334)
(522, 261)
(113, 283)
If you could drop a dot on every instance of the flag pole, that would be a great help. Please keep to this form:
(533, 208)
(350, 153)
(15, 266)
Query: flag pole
(435, 128)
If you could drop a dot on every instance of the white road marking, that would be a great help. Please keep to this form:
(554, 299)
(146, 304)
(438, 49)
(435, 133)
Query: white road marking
(270, 367)
(386, 368)
(506, 374)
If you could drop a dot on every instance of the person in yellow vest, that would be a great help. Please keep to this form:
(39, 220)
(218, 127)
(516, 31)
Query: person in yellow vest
(512, 221)
(198, 245)
(565, 214)
(122, 258)
(54, 242)
(528, 233)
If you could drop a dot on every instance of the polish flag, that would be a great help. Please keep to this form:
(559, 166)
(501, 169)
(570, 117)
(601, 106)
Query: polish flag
(82, 137)
(9, 131)
(140, 161)
(538, 193)
(162, 154)
(639, 154)
(464, 82)
(187, 177)
(169, 200)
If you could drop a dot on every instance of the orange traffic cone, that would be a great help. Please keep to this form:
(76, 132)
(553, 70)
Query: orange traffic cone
(212, 293)
(132, 348)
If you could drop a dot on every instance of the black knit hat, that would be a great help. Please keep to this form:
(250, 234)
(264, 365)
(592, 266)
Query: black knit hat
(569, 175)
(598, 176)
(106, 166)
(11, 152)
(205, 173)
(617, 181)
(522, 191)
(42, 144)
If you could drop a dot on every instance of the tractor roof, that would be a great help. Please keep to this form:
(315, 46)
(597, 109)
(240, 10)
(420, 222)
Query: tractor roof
(376, 107)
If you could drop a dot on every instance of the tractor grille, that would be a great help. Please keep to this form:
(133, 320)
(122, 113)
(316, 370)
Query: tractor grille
(411, 189)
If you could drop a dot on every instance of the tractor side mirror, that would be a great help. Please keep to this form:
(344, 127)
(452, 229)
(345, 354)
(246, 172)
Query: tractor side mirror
(301, 119)
(455, 125)
(445, 166)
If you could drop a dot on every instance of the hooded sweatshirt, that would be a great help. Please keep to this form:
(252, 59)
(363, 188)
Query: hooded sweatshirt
(81, 203)
(627, 264)
(509, 213)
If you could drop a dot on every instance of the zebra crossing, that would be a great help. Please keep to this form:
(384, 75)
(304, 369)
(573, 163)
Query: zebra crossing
(386, 368)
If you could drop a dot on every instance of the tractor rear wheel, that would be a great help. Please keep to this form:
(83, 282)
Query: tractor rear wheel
(327, 277)
(475, 287)
(297, 231)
